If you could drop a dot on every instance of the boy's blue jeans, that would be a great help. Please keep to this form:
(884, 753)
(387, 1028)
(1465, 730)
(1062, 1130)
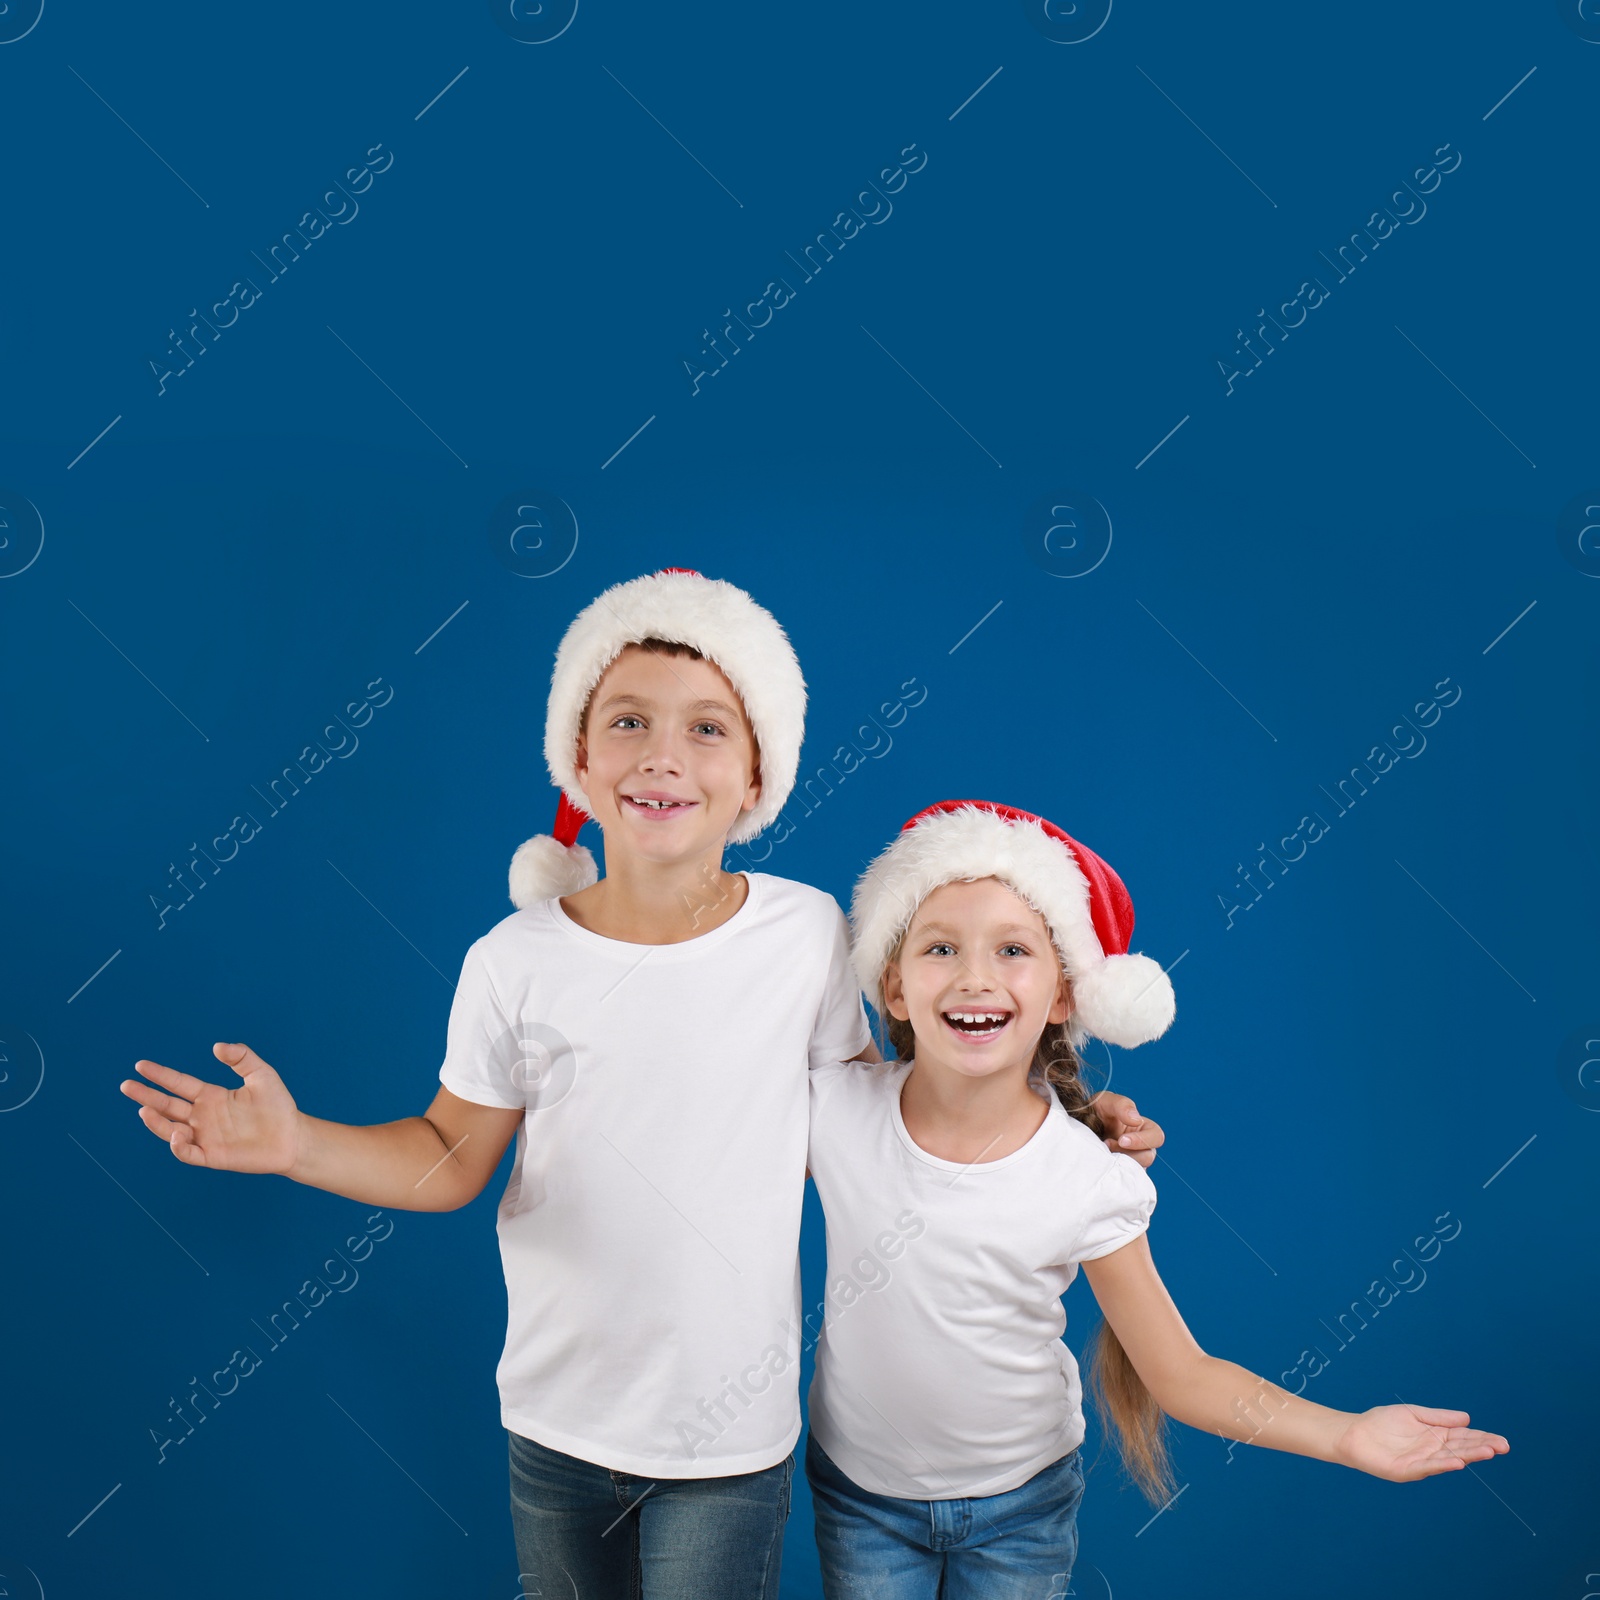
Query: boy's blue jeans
(589, 1532)
(1019, 1545)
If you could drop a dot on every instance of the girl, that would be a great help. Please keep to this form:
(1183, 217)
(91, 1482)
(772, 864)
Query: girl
(962, 1188)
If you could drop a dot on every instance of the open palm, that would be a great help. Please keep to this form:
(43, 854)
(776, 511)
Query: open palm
(1405, 1442)
(249, 1129)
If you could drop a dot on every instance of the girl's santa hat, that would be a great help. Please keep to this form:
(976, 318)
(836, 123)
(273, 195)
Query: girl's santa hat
(1121, 998)
(727, 627)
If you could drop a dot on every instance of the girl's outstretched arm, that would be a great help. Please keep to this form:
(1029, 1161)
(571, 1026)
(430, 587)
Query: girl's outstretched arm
(1398, 1442)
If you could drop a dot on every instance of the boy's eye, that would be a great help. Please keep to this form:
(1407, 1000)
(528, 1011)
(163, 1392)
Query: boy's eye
(1013, 950)
(707, 727)
(627, 716)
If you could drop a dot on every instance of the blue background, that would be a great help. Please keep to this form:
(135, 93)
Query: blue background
(315, 504)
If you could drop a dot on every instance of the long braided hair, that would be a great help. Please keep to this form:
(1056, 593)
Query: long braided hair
(1118, 1392)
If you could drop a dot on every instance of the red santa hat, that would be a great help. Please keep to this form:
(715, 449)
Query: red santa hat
(1121, 998)
(727, 627)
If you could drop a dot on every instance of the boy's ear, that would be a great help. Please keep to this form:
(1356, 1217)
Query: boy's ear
(894, 993)
(752, 793)
(1061, 1006)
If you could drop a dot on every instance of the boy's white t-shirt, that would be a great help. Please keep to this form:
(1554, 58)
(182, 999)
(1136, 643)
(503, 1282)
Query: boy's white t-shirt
(941, 1371)
(650, 1228)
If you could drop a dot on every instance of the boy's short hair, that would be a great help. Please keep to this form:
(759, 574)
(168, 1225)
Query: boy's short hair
(656, 647)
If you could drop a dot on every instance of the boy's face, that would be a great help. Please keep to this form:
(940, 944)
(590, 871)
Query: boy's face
(667, 756)
(977, 950)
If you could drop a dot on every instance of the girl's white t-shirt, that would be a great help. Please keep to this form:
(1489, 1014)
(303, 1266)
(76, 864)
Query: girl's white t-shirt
(941, 1370)
(650, 1228)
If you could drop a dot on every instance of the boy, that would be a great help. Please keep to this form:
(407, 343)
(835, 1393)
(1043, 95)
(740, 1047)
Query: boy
(647, 1038)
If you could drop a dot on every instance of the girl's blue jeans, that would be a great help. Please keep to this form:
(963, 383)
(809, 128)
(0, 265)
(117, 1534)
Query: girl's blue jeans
(587, 1531)
(1019, 1545)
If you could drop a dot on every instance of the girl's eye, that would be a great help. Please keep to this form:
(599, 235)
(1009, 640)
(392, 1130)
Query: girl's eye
(940, 949)
(707, 727)
(1013, 950)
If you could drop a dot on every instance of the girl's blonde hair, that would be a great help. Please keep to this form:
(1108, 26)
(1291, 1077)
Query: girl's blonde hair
(1118, 1392)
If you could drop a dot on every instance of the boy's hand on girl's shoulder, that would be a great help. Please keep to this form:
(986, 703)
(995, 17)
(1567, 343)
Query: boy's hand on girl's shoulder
(253, 1128)
(1127, 1133)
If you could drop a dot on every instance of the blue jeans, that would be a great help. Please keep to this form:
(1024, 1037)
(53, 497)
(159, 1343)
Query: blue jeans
(587, 1533)
(1019, 1545)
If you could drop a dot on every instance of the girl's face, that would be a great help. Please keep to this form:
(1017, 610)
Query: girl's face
(978, 978)
(667, 756)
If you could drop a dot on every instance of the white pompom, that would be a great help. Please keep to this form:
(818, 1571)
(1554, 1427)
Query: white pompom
(1125, 1000)
(543, 868)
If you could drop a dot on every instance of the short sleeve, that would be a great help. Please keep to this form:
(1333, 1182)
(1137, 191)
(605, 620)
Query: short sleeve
(840, 1030)
(474, 1058)
(1119, 1208)
(823, 1082)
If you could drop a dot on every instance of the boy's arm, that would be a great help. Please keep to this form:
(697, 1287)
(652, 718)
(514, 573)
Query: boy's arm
(1399, 1443)
(439, 1161)
(435, 1162)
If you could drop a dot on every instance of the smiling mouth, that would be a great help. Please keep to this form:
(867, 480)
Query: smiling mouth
(976, 1025)
(658, 807)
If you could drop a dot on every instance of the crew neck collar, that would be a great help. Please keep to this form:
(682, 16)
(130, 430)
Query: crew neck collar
(682, 950)
(1040, 1135)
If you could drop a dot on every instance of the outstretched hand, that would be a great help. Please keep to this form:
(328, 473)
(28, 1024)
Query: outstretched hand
(1129, 1134)
(253, 1128)
(1405, 1442)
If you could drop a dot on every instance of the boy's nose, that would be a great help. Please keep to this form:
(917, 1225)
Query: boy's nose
(661, 755)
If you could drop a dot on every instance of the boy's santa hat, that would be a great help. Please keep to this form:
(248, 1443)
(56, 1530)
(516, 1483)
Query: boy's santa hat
(1121, 998)
(727, 627)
